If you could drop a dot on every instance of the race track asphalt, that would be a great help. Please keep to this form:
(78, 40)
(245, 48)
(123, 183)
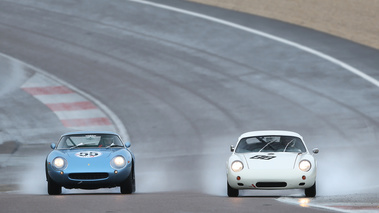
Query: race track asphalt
(185, 86)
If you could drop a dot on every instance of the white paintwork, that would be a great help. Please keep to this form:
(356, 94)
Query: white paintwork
(283, 168)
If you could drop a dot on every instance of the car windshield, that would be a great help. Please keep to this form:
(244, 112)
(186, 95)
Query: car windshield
(270, 144)
(90, 140)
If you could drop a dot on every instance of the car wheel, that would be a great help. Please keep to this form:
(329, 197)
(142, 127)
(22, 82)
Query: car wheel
(53, 188)
(129, 185)
(133, 181)
(311, 192)
(232, 192)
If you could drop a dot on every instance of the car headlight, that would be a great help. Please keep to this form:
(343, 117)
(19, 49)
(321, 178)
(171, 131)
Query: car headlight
(237, 166)
(305, 165)
(118, 162)
(59, 163)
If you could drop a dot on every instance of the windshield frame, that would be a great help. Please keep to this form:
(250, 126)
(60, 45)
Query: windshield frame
(92, 140)
(271, 143)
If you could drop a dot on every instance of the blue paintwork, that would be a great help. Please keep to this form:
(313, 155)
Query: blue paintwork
(98, 164)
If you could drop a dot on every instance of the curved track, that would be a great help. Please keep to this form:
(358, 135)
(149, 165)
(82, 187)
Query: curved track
(185, 88)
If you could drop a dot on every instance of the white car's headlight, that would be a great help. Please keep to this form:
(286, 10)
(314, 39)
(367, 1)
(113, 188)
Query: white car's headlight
(59, 163)
(118, 162)
(237, 166)
(305, 165)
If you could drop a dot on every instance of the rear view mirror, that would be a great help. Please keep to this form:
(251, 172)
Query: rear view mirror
(127, 144)
(315, 150)
(231, 148)
(52, 145)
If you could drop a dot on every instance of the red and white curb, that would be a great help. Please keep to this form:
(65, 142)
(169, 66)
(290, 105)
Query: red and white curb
(75, 108)
(72, 109)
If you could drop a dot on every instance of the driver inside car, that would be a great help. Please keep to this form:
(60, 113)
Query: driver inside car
(105, 142)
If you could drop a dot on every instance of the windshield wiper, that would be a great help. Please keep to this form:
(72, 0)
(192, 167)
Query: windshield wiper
(293, 140)
(76, 146)
(266, 145)
(113, 145)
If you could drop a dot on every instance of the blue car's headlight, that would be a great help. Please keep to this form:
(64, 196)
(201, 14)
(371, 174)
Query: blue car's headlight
(59, 163)
(118, 162)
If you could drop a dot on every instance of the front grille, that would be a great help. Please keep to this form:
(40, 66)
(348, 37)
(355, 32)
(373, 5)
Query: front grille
(88, 176)
(271, 184)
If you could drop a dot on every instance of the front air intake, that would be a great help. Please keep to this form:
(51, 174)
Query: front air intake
(88, 176)
(271, 184)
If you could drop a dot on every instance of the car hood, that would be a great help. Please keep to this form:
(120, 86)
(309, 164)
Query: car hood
(274, 160)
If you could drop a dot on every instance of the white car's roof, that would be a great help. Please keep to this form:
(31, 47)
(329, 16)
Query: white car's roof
(269, 133)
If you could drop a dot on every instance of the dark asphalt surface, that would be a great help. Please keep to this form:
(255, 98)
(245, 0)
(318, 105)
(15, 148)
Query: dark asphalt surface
(185, 88)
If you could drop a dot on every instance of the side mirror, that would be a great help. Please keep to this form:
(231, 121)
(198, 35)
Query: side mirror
(231, 148)
(127, 144)
(315, 150)
(52, 145)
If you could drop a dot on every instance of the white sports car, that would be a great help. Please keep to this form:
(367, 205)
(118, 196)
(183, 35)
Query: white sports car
(271, 160)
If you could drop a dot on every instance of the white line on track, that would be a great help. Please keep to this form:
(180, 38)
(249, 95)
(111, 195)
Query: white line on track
(331, 206)
(269, 36)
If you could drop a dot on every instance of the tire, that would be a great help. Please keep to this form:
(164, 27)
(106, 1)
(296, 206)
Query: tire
(53, 188)
(311, 192)
(232, 192)
(129, 185)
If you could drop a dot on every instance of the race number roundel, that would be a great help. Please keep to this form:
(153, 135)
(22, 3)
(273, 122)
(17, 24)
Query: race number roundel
(88, 154)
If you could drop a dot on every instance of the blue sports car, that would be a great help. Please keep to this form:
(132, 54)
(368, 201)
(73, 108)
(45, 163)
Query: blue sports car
(90, 160)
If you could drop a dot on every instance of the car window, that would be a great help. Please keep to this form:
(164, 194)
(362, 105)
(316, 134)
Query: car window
(270, 144)
(89, 140)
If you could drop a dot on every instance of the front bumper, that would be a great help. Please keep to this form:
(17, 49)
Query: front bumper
(89, 179)
(268, 179)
